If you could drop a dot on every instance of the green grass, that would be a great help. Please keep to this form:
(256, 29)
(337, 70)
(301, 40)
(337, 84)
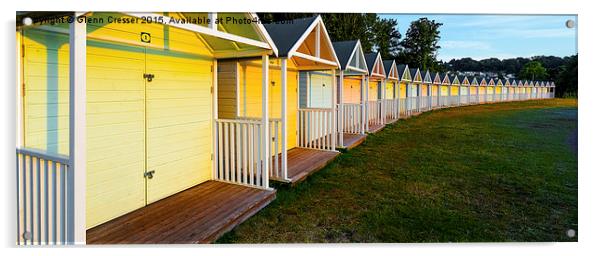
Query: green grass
(498, 172)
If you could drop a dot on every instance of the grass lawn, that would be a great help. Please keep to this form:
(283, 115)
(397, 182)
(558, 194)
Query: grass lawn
(498, 172)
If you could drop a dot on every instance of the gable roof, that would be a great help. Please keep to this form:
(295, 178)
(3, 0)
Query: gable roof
(483, 81)
(373, 60)
(474, 81)
(426, 77)
(415, 73)
(286, 34)
(445, 79)
(436, 78)
(349, 50)
(391, 69)
(405, 72)
(289, 36)
(464, 80)
(456, 80)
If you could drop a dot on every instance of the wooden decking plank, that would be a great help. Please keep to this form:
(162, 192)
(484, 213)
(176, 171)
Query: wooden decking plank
(176, 223)
(199, 214)
(132, 226)
(351, 140)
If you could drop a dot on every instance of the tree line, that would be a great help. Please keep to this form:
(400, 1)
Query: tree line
(420, 45)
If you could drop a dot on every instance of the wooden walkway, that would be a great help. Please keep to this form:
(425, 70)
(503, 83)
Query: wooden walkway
(374, 128)
(200, 214)
(352, 140)
(302, 162)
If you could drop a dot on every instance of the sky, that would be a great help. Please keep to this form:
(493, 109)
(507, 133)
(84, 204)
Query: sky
(499, 36)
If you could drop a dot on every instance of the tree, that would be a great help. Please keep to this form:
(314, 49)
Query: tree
(566, 83)
(376, 34)
(533, 70)
(421, 44)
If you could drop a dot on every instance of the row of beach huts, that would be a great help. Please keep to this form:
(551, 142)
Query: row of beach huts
(131, 129)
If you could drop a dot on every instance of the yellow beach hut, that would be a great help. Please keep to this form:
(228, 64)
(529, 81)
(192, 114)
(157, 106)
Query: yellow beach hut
(301, 100)
(404, 87)
(351, 93)
(512, 90)
(464, 89)
(481, 90)
(474, 87)
(436, 91)
(414, 91)
(445, 88)
(425, 91)
(391, 97)
(117, 115)
(375, 92)
(503, 95)
(489, 89)
(455, 91)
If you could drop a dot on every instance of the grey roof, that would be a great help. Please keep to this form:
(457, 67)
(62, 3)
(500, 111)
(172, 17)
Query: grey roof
(388, 65)
(370, 60)
(344, 51)
(413, 72)
(286, 34)
(423, 75)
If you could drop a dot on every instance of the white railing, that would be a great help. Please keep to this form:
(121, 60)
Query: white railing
(402, 106)
(464, 99)
(350, 117)
(316, 128)
(412, 103)
(435, 102)
(453, 100)
(391, 107)
(44, 198)
(238, 151)
(474, 99)
(489, 97)
(424, 103)
(374, 109)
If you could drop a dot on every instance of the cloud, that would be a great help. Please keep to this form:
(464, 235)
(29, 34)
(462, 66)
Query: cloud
(499, 55)
(462, 44)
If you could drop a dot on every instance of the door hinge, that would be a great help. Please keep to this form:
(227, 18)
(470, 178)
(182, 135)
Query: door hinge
(23, 90)
(22, 50)
(211, 157)
(211, 89)
(148, 77)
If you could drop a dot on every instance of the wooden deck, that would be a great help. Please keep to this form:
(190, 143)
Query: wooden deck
(352, 140)
(200, 214)
(302, 162)
(374, 128)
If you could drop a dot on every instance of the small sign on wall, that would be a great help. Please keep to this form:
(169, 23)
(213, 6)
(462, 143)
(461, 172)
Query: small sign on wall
(145, 37)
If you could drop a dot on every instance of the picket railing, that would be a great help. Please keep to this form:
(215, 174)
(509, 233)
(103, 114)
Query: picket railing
(391, 107)
(238, 151)
(316, 128)
(412, 103)
(350, 117)
(374, 111)
(44, 198)
(424, 103)
(403, 106)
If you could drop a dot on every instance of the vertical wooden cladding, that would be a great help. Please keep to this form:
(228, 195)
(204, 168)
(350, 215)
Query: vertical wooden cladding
(352, 89)
(239, 92)
(402, 90)
(373, 91)
(390, 90)
(121, 105)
